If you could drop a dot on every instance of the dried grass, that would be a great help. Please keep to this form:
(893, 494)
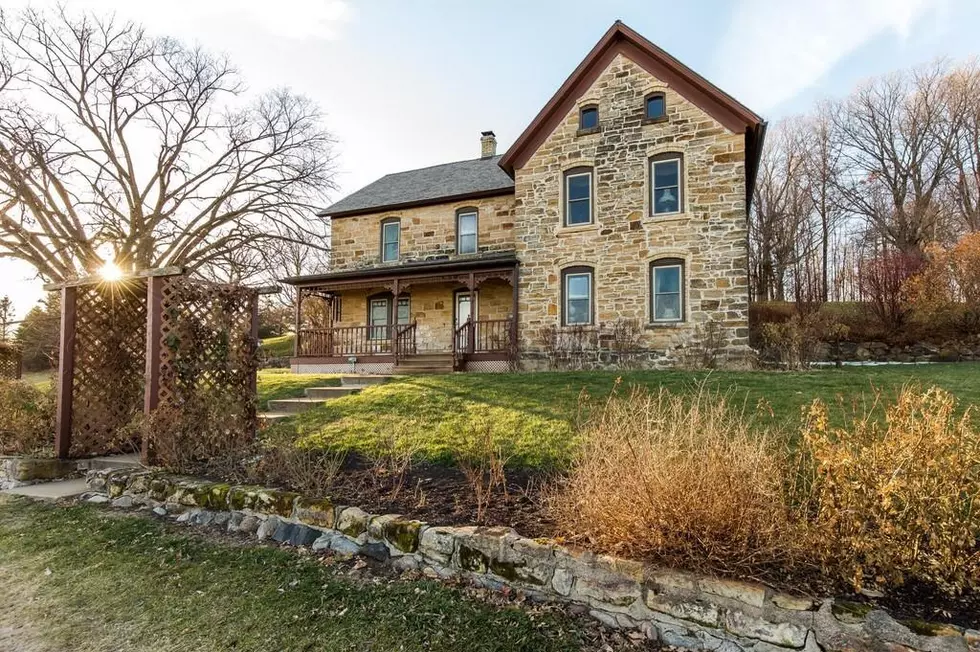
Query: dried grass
(26, 419)
(680, 480)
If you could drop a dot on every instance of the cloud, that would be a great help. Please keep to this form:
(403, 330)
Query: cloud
(773, 50)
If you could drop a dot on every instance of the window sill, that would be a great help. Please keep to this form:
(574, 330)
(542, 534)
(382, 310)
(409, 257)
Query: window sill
(588, 132)
(579, 228)
(654, 121)
(664, 325)
(668, 217)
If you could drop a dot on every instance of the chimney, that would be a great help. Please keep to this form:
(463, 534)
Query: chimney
(488, 144)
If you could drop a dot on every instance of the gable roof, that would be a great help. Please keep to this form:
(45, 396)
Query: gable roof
(621, 39)
(482, 177)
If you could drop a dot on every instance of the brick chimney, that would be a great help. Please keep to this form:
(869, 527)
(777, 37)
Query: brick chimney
(488, 144)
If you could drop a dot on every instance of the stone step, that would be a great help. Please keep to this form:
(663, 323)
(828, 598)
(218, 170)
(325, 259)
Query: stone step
(426, 359)
(420, 370)
(360, 380)
(325, 393)
(269, 418)
(110, 462)
(294, 405)
(57, 490)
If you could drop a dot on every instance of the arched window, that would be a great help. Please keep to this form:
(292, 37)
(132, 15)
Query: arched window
(667, 184)
(578, 196)
(577, 296)
(390, 239)
(467, 223)
(655, 107)
(588, 118)
(667, 290)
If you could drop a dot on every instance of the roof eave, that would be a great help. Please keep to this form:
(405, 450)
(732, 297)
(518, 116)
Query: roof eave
(480, 194)
(617, 34)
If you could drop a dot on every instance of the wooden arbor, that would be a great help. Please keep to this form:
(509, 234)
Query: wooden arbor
(156, 338)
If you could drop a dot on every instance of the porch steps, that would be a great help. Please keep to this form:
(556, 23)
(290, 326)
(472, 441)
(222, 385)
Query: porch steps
(425, 363)
(285, 408)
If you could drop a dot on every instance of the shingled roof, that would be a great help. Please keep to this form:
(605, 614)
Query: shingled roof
(481, 177)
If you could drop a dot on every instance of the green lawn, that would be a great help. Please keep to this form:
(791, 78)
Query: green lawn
(278, 347)
(82, 579)
(537, 412)
(280, 383)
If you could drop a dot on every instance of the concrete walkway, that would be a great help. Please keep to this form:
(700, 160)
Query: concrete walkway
(50, 490)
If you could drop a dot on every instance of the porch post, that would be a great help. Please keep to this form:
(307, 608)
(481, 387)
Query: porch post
(66, 374)
(395, 291)
(298, 321)
(514, 280)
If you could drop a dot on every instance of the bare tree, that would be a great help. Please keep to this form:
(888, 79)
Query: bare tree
(964, 184)
(117, 144)
(900, 133)
(777, 230)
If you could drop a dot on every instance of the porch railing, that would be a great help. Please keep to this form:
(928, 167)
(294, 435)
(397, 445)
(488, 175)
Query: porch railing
(484, 336)
(357, 341)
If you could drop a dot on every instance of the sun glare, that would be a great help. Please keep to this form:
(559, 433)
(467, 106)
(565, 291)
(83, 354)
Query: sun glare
(110, 271)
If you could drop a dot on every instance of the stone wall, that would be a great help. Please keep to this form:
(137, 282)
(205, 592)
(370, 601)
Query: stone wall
(22, 471)
(709, 235)
(426, 232)
(679, 609)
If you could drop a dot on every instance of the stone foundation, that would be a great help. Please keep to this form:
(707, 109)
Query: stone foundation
(679, 609)
(23, 471)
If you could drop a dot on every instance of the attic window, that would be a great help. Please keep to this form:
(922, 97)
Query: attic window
(588, 118)
(655, 107)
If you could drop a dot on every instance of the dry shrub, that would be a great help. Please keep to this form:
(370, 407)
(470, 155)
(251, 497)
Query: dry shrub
(680, 480)
(482, 457)
(796, 342)
(26, 419)
(203, 436)
(948, 286)
(286, 462)
(392, 459)
(899, 500)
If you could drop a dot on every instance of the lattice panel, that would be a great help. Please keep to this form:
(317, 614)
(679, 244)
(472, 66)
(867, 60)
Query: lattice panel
(489, 366)
(10, 362)
(110, 363)
(209, 357)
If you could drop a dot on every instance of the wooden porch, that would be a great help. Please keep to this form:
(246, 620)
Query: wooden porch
(477, 342)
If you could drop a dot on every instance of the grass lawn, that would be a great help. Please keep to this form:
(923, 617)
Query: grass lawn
(278, 347)
(83, 579)
(537, 412)
(40, 379)
(281, 383)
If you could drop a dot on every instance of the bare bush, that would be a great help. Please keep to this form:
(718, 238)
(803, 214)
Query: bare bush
(26, 419)
(287, 462)
(482, 457)
(392, 460)
(895, 500)
(678, 480)
(705, 347)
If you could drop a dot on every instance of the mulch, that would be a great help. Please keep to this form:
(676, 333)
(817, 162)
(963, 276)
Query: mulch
(441, 495)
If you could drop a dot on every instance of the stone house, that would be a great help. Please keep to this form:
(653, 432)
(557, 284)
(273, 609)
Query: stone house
(613, 232)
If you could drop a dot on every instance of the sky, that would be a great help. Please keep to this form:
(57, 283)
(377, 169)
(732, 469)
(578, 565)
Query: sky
(410, 83)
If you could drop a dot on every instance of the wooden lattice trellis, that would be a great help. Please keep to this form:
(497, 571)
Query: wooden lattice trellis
(159, 340)
(10, 362)
(109, 363)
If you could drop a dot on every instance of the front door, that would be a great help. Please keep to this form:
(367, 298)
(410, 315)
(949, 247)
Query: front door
(465, 309)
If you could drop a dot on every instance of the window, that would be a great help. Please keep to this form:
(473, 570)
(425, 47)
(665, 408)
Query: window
(466, 227)
(390, 236)
(380, 314)
(665, 184)
(578, 197)
(667, 285)
(577, 296)
(404, 313)
(656, 107)
(588, 118)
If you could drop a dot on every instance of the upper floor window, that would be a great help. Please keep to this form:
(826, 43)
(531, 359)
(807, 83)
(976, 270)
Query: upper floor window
(390, 237)
(578, 197)
(577, 296)
(656, 106)
(588, 118)
(667, 290)
(666, 173)
(466, 229)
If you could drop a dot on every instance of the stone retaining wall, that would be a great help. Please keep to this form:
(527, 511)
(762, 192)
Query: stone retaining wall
(23, 471)
(679, 609)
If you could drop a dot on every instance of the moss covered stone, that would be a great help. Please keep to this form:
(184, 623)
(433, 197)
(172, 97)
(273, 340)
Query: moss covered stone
(353, 522)
(318, 513)
(160, 488)
(242, 497)
(271, 501)
(402, 534)
(846, 611)
(473, 560)
(926, 628)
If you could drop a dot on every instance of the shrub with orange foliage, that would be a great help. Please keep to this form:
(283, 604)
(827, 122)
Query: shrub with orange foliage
(949, 283)
(899, 500)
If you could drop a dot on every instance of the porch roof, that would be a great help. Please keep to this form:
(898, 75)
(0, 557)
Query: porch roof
(415, 269)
